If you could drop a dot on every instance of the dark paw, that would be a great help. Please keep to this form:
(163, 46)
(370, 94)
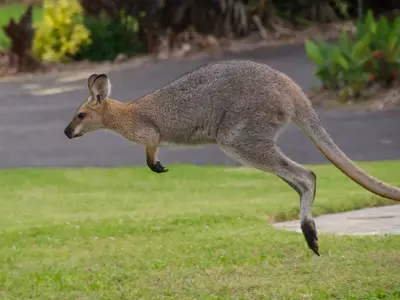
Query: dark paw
(310, 234)
(158, 168)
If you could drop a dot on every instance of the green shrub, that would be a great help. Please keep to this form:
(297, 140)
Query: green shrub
(371, 56)
(110, 37)
(61, 33)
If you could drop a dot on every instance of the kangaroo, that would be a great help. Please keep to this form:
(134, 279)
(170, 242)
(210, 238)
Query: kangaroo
(242, 106)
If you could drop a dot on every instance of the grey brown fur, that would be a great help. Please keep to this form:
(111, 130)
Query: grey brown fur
(242, 106)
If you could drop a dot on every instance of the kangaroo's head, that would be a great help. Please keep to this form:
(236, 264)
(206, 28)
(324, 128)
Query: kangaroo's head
(89, 116)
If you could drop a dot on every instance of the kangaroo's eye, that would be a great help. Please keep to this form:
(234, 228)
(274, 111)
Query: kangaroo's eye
(81, 115)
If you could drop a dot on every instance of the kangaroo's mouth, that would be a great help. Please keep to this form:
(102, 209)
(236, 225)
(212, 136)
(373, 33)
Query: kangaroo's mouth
(70, 133)
(78, 135)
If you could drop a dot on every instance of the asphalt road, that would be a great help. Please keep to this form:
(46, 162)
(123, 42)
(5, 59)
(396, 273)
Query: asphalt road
(34, 113)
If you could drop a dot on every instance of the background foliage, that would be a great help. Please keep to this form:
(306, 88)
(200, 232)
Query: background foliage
(111, 37)
(101, 30)
(61, 33)
(371, 56)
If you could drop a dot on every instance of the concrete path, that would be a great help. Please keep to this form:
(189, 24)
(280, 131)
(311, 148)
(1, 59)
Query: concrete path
(34, 112)
(379, 220)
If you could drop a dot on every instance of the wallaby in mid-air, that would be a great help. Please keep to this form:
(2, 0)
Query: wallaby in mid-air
(240, 105)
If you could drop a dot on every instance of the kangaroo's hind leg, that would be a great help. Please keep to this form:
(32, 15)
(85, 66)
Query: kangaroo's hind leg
(261, 152)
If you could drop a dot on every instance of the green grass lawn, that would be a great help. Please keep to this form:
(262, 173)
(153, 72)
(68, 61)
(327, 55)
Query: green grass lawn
(14, 11)
(192, 233)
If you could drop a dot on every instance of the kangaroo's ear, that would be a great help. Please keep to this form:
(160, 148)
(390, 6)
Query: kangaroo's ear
(90, 81)
(100, 87)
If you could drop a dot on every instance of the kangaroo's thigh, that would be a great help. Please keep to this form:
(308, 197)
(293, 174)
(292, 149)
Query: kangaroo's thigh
(249, 139)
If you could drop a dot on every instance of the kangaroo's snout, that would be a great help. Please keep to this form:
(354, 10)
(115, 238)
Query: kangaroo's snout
(71, 132)
(68, 132)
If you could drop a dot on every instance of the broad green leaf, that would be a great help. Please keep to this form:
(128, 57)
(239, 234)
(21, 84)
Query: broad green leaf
(370, 21)
(383, 27)
(396, 26)
(362, 46)
(361, 29)
(343, 62)
(393, 41)
(313, 52)
(344, 43)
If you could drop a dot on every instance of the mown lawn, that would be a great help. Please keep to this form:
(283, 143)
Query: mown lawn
(192, 233)
(14, 11)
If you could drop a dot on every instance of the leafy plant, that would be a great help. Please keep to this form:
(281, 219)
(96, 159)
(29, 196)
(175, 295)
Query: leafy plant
(61, 33)
(371, 56)
(327, 58)
(111, 37)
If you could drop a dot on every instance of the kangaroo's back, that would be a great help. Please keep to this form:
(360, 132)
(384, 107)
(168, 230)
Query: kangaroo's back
(191, 108)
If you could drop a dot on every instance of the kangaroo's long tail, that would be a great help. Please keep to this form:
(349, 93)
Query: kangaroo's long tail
(306, 118)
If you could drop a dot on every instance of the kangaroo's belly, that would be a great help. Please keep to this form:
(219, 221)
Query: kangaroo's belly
(189, 136)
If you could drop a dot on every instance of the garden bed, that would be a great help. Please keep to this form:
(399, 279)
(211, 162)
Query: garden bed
(378, 99)
(362, 69)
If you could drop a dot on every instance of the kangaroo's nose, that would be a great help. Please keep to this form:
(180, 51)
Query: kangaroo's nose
(68, 132)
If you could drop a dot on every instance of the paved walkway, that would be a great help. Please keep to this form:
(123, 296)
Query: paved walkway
(367, 221)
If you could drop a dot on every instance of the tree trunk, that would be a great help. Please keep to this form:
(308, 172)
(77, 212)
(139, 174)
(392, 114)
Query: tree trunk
(21, 35)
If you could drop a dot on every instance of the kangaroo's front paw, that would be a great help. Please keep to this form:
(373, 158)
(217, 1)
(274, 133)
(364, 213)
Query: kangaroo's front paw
(158, 168)
(310, 234)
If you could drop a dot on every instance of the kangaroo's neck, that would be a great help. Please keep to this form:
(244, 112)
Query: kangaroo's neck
(118, 116)
(128, 120)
